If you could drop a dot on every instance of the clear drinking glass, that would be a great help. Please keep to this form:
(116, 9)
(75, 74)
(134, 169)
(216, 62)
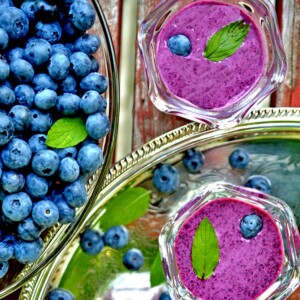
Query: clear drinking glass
(289, 277)
(274, 69)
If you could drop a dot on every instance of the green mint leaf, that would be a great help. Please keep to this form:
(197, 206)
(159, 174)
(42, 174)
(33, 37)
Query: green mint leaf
(226, 41)
(125, 207)
(205, 250)
(66, 132)
(157, 275)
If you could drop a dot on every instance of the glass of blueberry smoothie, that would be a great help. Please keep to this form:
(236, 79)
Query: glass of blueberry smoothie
(231, 243)
(211, 60)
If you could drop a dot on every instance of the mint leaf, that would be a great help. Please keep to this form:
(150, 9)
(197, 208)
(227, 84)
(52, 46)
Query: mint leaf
(66, 132)
(226, 41)
(205, 250)
(157, 275)
(127, 206)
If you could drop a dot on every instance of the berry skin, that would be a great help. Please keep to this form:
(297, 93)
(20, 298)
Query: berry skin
(92, 102)
(28, 252)
(17, 206)
(37, 187)
(95, 64)
(45, 213)
(7, 248)
(66, 152)
(68, 104)
(24, 95)
(45, 99)
(88, 43)
(6, 129)
(37, 142)
(60, 294)
(4, 69)
(28, 230)
(91, 241)
(3, 268)
(4, 39)
(116, 237)
(193, 160)
(239, 159)
(251, 225)
(40, 122)
(37, 51)
(164, 296)
(133, 259)
(7, 96)
(94, 81)
(260, 183)
(75, 194)
(29, 9)
(16, 154)
(20, 116)
(43, 81)
(22, 70)
(90, 158)
(60, 49)
(80, 64)
(180, 45)
(69, 85)
(51, 32)
(45, 163)
(12, 181)
(68, 169)
(59, 66)
(97, 125)
(166, 178)
(67, 213)
(14, 54)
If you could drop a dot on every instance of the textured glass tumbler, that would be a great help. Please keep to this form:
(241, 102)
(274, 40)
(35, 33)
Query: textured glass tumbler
(274, 69)
(289, 276)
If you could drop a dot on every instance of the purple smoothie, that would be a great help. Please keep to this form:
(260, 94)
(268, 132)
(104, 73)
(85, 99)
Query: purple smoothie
(204, 83)
(247, 267)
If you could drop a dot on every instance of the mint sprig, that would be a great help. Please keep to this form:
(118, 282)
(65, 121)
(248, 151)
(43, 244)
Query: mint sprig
(66, 132)
(205, 250)
(226, 41)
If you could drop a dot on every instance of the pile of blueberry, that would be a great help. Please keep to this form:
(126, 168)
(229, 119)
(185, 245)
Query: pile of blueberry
(48, 73)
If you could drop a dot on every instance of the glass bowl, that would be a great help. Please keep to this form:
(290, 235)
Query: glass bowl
(262, 14)
(58, 237)
(288, 278)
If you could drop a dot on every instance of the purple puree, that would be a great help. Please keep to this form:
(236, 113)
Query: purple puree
(205, 83)
(246, 267)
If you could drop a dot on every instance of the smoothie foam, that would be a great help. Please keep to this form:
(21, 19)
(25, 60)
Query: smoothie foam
(207, 84)
(247, 267)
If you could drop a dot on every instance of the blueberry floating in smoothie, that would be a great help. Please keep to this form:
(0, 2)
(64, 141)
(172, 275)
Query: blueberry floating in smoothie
(239, 159)
(251, 225)
(180, 45)
(260, 183)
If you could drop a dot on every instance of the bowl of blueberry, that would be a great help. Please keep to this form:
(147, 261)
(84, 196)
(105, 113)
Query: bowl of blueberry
(116, 255)
(58, 120)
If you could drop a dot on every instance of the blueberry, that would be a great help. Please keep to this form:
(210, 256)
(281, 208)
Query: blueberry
(166, 178)
(68, 169)
(68, 104)
(90, 158)
(59, 66)
(6, 3)
(7, 96)
(28, 252)
(94, 81)
(37, 187)
(97, 125)
(17, 206)
(43, 81)
(8, 84)
(3, 268)
(45, 163)
(40, 122)
(6, 129)
(180, 45)
(45, 99)
(37, 51)
(193, 160)
(75, 194)
(12, 181)
(45, 213)
(51, 32)
(60, 294)
(69, 85)
(60, 49)
(70, 31)
(28, 230)
(14, 54)
(37, 142)
(14, 22)
(4, 39)
(94, 64)
(7, 249)
(260, 183)
(239, 159)
(133, 259)
(80, 64)
(251, 225)
(92, 102)
(4, 68)
(45, 11)
(24, 95)
(82, 14)
(20, 116)
(66, 152)
(16, 154)
(22, 70)
(29, 9)
(88, 43)
(164, 296)
(67, 213)
(116, 237)
(91, 241)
